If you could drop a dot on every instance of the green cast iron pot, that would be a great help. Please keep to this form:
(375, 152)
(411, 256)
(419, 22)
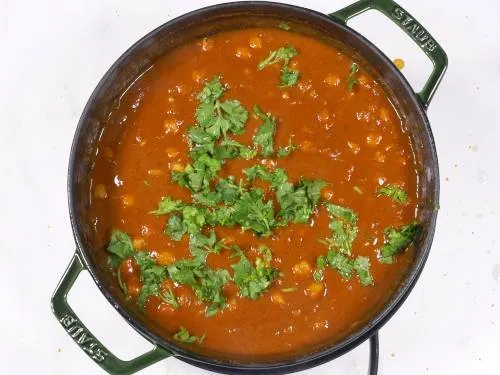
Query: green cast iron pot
(329, 28)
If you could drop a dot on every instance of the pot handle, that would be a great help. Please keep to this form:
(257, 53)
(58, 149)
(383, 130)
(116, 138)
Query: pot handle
(411, 27)
(82, 336)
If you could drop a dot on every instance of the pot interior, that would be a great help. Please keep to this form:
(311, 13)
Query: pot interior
(203, 23)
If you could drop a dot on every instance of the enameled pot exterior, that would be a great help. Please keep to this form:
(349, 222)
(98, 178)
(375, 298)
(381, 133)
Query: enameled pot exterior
(197, 24)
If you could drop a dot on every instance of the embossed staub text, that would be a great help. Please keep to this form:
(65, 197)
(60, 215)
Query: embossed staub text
(416, 31)
(83, 338)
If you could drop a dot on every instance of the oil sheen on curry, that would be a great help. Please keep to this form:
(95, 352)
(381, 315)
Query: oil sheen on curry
(260, 199)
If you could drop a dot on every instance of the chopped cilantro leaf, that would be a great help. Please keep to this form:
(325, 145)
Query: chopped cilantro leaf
(276, 177)
(340, 262)
(190, 221)
(251, 212)
(230, 149)
(197, 176)
(152, 275)
(169, 297)
(217, 118)
(362, 267)
(252, 280)
(297, 203)
(344, 230)
(396, 240)
(184, 336)
(282, 54)
(351, 79)
(264, 138)
(121, 245)
(167, 205)
(284, 26)
(287, 150)
(289, 77)
(175, 227)
(395, 192)
(212, 91)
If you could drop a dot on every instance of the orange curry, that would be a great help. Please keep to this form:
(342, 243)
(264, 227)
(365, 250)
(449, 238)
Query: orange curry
(261, 195)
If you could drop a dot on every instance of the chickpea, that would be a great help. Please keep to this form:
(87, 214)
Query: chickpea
(243, 53)
(306, 146)
(139, 243)
(133, 286)
(172, 152)
(384, 114)
(127, 200)
(108, 152)
(177, 167)
(354, 147)
(207, 44)
(332, 80)
(323, 116)
(303, 268)
(277, 298)
(255, 42)
(165, 258)
(170, 126)
(184, 295)
(171, 99)
(155, 172)
(315, 290)
(363, 81)
(232, 304)
(166, 309)
(373, 139)
(128, 268)
(304, 85)
(100, 191)
(380, 157)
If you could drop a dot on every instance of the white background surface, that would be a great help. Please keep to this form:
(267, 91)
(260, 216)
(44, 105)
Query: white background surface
(52, 54)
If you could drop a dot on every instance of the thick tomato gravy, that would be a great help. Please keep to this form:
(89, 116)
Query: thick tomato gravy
(355, 141)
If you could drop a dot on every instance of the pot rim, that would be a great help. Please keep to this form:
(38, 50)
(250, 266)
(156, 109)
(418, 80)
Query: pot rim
(338, 348)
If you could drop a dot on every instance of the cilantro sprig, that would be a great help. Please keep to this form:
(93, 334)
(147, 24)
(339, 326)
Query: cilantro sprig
(395, 192)
(264, 138)
(397, 240)
(352, 80)
(283, 55)
(343, 222)
(184, 336)
(253, 280)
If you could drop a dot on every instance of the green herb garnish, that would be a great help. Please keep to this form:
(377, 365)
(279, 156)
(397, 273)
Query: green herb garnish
(396, 240)
(344, 230)
(253, 280)
(184, 336)
(264, 138)
(298, 202)
(395, 192)
(283, 55)
(284, 26)
(286, 150)
(351, 79)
